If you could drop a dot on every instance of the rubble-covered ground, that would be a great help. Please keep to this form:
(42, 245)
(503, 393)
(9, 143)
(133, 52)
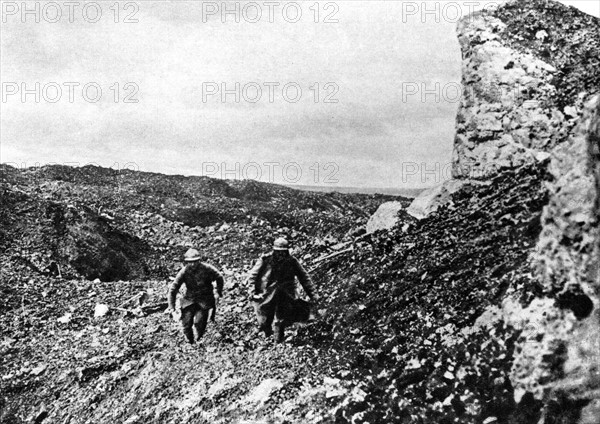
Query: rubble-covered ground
(75, 238)
(421, 308)
(408, 329)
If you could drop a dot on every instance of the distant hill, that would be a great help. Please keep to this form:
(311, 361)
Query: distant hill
(100, 223)
(410, 193)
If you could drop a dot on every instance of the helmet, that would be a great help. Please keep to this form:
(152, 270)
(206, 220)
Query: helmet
(191, 255)
(281, 244)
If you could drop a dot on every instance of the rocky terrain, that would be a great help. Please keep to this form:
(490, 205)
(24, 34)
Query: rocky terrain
(78, 239)
(398, 307)
(479, 305)
(531, 75)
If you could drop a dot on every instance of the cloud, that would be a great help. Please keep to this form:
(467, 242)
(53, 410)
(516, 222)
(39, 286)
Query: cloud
(369, 54)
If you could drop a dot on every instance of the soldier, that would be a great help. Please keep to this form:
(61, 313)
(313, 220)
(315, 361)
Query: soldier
(273, 278)
(198, 298)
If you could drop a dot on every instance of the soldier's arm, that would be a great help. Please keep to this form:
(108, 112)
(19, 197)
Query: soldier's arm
(218, 278)
(175, 286)
(255, 275)
(305, 280)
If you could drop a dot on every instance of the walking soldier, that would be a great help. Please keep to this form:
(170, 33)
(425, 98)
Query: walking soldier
(274, 281)
(198, 299)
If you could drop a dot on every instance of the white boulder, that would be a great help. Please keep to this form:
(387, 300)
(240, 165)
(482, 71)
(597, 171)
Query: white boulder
(385, 217)
(432, 198)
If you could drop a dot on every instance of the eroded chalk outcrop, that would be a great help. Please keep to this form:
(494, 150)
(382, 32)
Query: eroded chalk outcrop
(502, 121)
(431, 199)
(528, 68)
(531, 71)
(558, 361)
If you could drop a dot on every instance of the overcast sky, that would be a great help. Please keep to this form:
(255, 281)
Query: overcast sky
(178, 54)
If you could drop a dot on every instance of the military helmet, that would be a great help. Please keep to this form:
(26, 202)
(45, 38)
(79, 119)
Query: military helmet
(281, 244)
(192, 255)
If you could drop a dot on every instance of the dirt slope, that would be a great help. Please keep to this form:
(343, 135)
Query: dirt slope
(387, 341)
(63, 227)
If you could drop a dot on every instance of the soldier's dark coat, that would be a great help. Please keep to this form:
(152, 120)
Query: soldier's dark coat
(276, 281)
(198, 288)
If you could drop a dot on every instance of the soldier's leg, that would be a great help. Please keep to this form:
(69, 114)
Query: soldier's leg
(268, 315)
(279, 323)
(264, 316)
(283, 312)
(279, 327)
(200, 320)
(187, 321)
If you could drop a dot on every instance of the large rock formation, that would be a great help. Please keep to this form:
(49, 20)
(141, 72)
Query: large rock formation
(558, 361)
(527, 69)
(530, 71)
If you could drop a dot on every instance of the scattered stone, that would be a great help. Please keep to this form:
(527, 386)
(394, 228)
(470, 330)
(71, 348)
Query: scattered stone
(39, 370)
(100, 310)
(261, 393)
(66, 318)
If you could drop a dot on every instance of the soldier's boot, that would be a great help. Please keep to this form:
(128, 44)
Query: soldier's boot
(265, 324)
(279, 332)
(189, 334)
(266, 329)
